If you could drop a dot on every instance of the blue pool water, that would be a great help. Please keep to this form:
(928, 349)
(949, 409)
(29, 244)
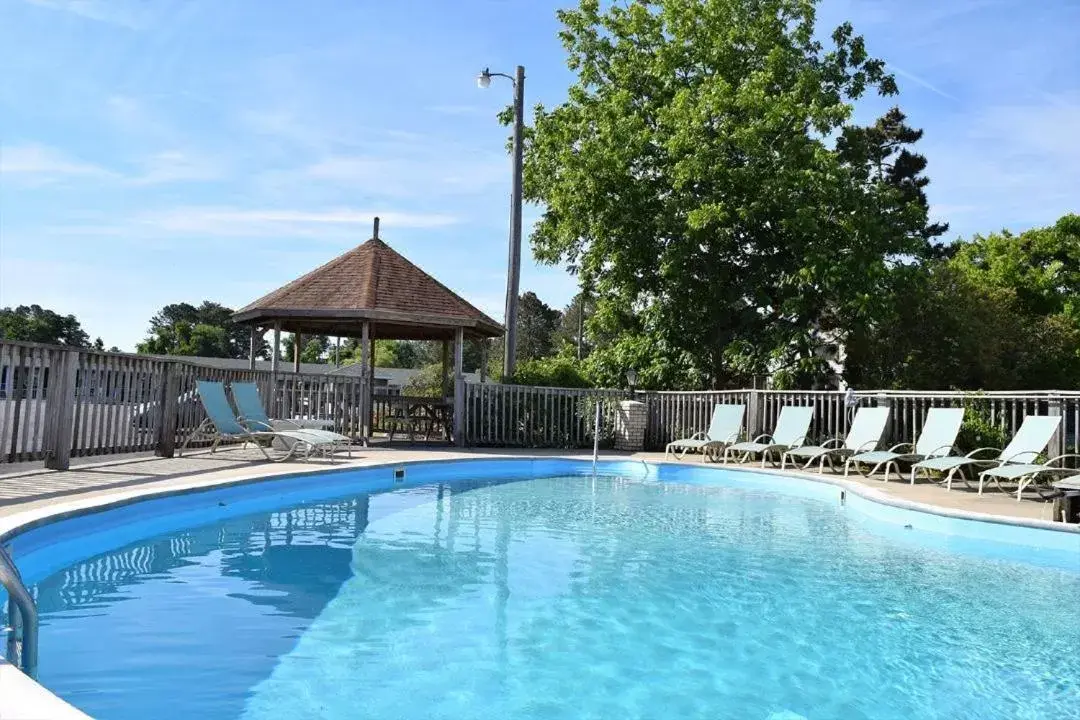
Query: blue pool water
(555, 597)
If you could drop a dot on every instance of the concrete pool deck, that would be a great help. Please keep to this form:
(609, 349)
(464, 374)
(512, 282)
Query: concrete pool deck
(40, 493)
(30, 496)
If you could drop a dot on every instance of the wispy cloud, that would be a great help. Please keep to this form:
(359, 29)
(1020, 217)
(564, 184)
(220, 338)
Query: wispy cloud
(40, 164)
(114, 12)
(221, 222)
(411, 176)
(176, 166)
(921, 82)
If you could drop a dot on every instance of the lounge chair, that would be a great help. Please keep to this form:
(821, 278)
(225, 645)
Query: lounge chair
(221, 424)
(791, 430)
(1030, 473)
(864, 435)
(253, 416)
(724, 429)
(1030, 440)
(936, 440)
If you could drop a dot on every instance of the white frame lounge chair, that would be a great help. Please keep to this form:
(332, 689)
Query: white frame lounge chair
(221, 424)
(792, 429)
(1029, 475)
(1024, 448)
(724, 429)
(865, 434)
(253, 416)
(937, 439)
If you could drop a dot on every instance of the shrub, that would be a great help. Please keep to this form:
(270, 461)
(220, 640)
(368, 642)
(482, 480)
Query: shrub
(555, 371)
(978, 430)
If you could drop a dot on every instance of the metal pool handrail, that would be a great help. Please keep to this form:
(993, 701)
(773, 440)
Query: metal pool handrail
(23, 616)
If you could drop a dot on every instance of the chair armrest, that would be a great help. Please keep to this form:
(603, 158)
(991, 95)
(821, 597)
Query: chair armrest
(699, 435)
(799, 442)
(934, 452)
(867, 446)
(897, 447)
(971, 454)
(256, 425)
(1053, 460)
(763, 436)
(839, 442)
(1006, 461)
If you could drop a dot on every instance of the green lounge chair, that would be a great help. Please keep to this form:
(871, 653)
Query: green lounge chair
(791, 430)
(724, 429)
(864, 435)
(221, 424)
(1030, 440)
(1030, 473)
(253, 416)
(936, 440)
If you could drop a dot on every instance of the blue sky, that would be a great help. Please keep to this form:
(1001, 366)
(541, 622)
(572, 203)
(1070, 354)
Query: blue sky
(158, 151)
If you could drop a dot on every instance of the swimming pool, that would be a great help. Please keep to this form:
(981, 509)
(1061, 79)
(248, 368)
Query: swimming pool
(529, 589)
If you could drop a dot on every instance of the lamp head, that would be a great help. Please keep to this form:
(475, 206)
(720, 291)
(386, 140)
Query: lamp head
(631, 377)
(483, 80)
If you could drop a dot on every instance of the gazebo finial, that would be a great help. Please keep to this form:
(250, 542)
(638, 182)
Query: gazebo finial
(375, 232)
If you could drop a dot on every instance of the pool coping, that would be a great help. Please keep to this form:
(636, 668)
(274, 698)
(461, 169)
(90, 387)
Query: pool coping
(32, 700)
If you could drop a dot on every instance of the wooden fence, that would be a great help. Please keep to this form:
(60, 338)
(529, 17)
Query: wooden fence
(526, 416)
(56, 403)
(110, 403)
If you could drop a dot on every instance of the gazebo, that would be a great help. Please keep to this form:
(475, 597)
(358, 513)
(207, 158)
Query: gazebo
(372, 293)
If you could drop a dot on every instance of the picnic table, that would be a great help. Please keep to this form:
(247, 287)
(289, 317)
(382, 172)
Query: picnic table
(419, 417)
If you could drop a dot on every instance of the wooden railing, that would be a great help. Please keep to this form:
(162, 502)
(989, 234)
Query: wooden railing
(57, 403)
(527, 416)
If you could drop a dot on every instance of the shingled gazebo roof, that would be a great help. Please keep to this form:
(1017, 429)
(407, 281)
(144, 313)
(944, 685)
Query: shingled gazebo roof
(371, 283)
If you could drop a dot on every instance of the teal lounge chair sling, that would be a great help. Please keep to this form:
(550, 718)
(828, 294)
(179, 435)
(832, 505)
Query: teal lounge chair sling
(1030, 440)
(864, 435)
(724, 429)
(253, 416)
(221, 424)
(792, 428)
(936, 440)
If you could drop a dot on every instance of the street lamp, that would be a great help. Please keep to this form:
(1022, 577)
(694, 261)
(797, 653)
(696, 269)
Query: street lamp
(631, 380)
(513, 271)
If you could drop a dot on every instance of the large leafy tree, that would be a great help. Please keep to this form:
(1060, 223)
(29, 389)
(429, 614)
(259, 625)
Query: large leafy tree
(33, 323)
(693, 180)
(204, 330)
(316, 348)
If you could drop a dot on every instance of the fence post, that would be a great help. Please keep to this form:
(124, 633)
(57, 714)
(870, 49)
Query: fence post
(1057, 443)
(884, 401)
(60, 411)
(167, 412)
(755, 420)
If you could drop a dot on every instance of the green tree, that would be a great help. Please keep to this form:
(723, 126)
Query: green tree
(691, 180)
(537, 324)
(33, 323)
(204, 330)
(571, 332)
(999, 315)
(316, 348)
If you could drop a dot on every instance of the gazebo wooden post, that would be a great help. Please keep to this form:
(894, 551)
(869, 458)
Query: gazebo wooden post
(459, 387)
(371, 380)
(298, 343)
(277, 349)
(365, 381)
(253, 345)
(483, 360)
(445, 387)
